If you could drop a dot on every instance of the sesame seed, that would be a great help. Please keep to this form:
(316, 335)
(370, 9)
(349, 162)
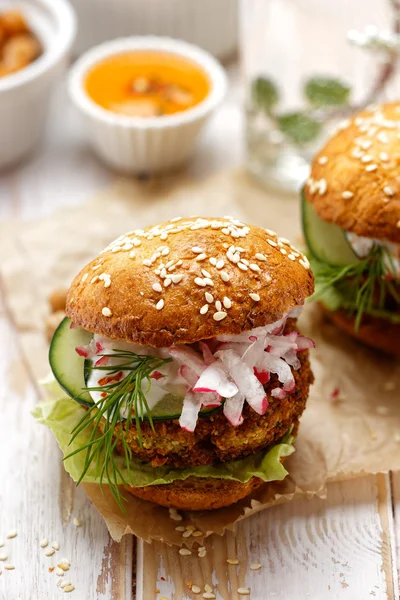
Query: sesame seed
(208, 588)
(219, 316)
(204, 309)
(59, 572)
(209, 596)
(220, 264)
(157, 287)
(213, 261)
(291, 256)
(106, 312)
(323, 186)
(94, 279)
(384, 156)
(254, 267)
(163, 236)
(260, 256)
(197, 250)
(255, 566)
(180, 528)
(201, 257)
(175, 219)
(64, 584)
(202, 553)
(206, 273)
(44, 542)
(107, 283)
(218, 305)
(323, 160)
(357, 153)
(224, 276)
(366, 158)
(177, 278)
(242, 266)
(59, 581)
(388, 190)
(160, 304)
(232, 561)
(371, 168)
(209, 297)
(64, 566)
(86, 275)
(174, 515)
(3, 556)
(196, 589)
(235, 258)
(243, 591)
(382, 137)
(132, 254)
(50, 552)
(255, 297)
(304, 262)
(227, 302)
(197, 533)
(270, 232)
(9, 567)
(116, 249)
(147, 262)
(272, 243)
(167, 282)
(69, 588)
(208, 281)
(55, 545)
(190, 528)
(347, 194)
(185, 552)
(200, 282)
(283, 251)
(186, 534)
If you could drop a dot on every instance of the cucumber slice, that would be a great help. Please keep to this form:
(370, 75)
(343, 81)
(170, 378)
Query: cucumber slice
(66, 364)
(72, 372)
(326, 241)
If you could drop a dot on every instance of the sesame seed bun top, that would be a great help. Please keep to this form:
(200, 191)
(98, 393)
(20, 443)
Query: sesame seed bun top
(187, 280)
(355, 178)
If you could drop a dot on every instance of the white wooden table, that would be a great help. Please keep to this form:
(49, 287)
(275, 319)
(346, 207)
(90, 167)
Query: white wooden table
(343, 548)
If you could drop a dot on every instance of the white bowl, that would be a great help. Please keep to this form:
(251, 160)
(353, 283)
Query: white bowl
(210, 24)
(148, 145)
(25, 95)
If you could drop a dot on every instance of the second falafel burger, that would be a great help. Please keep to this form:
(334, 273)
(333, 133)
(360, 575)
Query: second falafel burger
(184, 370)
(351, 222)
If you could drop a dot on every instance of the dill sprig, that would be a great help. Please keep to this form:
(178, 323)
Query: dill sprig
(365, 286)
(127, 393)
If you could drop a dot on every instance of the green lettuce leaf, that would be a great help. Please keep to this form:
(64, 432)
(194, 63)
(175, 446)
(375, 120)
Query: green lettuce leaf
(62, 414)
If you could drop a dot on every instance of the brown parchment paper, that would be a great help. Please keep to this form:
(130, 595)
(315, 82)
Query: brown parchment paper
(352, 422)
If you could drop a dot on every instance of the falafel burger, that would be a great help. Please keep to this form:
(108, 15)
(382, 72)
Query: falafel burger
(351, 222)
(184, 372)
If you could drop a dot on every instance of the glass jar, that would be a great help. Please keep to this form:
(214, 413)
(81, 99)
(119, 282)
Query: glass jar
(309, 64)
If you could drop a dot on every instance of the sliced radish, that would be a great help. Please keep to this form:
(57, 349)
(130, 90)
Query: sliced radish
(207, 354)
(233, 409)
(190, 411)
(278, 393)
(215, 379)
(188, 356)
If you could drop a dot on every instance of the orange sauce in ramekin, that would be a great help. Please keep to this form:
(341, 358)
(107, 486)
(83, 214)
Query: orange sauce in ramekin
(147, 83)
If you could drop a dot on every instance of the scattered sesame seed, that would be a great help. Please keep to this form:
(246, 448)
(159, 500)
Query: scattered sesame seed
(163, 236)
(218, 305)
(44, 542)
(55, 545)
(371, 168)
(384, 156)
(201, 257)
(382, 137)
(165, 252)
(106, 312)
(59, 582)
(64, 566)
(242, 266)
(202, 553)
(254, 297)
(157, 287)
(64, 584)
(185, 552)
(160, 304)
(180, 528)
(272, 243)
(213, 261)
(270, 232)
(220, 264)
(167, 282)
(69, 588)
(224, 276)
(323, 186)
(260, 256)
(9, 567)
(174, 515)
(227, 302)
(206, 273)
(59, 572)
(219, 316)
(388, 191)
(177, 278)
(94, 279)
(3, 556)
(175, 219)
(255, 566)
(283, 251)
(116, 249)
(209, 297)
(196, 589)
(357, 153)
(85, 276)
(132, 254)
(50, 552)
(208, 588)
(304, 262)
(147, 262)
(232, 561)
(197, 533)
(366, 158)
(243, 591)
(347, 194)
(197, 250)
(291, 256)
(186, 534)
(365, 144)
(323, 160)
(254, 267)
(208, 281)
(209, 596)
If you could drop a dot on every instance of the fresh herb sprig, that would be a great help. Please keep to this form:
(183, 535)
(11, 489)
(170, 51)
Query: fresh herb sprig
(120, 393)
(366, 285)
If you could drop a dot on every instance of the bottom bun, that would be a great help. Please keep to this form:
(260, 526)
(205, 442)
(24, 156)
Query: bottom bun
(378, 333)
(197, 493)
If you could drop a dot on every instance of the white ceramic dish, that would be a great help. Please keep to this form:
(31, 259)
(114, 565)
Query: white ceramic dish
(145, 145)
(210, 24)
(25, 95)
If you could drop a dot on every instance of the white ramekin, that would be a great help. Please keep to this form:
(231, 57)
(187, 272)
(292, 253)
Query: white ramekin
(210, 24)
(25, 95)
(139, 145)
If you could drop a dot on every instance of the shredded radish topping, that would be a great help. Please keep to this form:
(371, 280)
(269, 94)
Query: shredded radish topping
(233, 368)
